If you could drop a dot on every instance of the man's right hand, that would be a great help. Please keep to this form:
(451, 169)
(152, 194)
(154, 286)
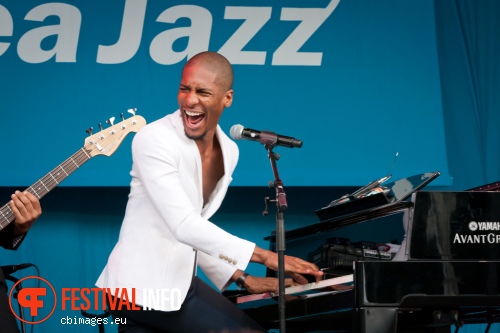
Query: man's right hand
(294, 267)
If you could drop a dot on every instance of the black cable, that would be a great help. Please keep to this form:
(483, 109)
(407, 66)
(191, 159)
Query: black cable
(11, 269)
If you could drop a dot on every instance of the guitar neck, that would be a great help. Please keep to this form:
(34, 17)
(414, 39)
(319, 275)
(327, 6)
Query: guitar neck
(47, 183)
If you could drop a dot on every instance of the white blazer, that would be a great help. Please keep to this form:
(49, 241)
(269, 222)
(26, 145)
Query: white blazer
(165, 220)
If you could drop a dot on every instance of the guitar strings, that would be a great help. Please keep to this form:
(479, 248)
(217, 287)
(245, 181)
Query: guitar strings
(48, 182)
(52, 179)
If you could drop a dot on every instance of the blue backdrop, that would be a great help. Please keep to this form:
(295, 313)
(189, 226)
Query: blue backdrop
(357, 81)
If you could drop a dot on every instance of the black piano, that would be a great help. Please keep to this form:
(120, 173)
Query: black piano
(446, 273)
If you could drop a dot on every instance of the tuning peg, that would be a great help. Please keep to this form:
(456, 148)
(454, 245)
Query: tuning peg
(132, 111)
(123, 117)
(100, 126)
(89, 131)
(111, 121)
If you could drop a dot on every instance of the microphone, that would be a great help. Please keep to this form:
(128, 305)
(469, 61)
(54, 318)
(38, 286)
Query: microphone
(7, 270)
(238, 132)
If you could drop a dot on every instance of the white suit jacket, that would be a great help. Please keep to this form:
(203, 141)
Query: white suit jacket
(165, 221)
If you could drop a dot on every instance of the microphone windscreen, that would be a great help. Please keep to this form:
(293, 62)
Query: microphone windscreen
(236, 131)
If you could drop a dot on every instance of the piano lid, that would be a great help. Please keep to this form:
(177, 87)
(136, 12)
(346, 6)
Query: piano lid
(362, 199)
(365, 208)
(402, 189)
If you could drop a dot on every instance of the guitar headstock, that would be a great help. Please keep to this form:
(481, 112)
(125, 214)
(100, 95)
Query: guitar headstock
(109, 139)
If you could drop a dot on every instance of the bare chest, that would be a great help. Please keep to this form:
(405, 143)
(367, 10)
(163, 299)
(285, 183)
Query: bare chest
(212, 172)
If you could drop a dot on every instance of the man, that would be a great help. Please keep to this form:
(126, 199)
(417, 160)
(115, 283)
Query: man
(26, 209)
(182, 166)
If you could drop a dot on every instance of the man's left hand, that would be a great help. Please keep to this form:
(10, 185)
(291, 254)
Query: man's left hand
(258, 285)
(26, 208)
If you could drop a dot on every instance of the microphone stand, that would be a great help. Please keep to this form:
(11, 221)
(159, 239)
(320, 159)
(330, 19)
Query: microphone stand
(270, 140)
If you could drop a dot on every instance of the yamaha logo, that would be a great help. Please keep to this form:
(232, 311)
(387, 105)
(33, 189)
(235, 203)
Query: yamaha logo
(484, 226)
(492, 238)
(472, 226)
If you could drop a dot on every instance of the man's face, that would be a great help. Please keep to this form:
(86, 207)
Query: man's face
(201, 101)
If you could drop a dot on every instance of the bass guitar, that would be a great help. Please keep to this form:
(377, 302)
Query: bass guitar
(103, 143)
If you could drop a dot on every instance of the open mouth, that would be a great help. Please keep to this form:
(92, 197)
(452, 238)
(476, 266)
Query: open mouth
(194, 118)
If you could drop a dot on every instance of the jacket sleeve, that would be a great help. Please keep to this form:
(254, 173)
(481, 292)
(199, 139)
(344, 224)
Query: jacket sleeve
(8, 240)
(218, 273)
(158, 165)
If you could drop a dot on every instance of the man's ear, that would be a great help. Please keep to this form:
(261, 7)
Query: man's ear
(228, 98)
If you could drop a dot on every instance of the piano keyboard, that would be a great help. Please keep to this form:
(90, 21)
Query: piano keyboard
(298, 289)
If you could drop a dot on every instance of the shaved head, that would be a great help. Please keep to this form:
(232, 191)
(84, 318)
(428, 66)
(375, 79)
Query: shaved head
(217, 64)
(205, 91)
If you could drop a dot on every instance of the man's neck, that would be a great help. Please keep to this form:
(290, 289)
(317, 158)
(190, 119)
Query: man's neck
(206, 144)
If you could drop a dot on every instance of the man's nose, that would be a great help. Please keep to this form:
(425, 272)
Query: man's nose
(191, 98)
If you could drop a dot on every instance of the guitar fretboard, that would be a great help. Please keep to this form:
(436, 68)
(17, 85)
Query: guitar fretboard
(47, 183)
